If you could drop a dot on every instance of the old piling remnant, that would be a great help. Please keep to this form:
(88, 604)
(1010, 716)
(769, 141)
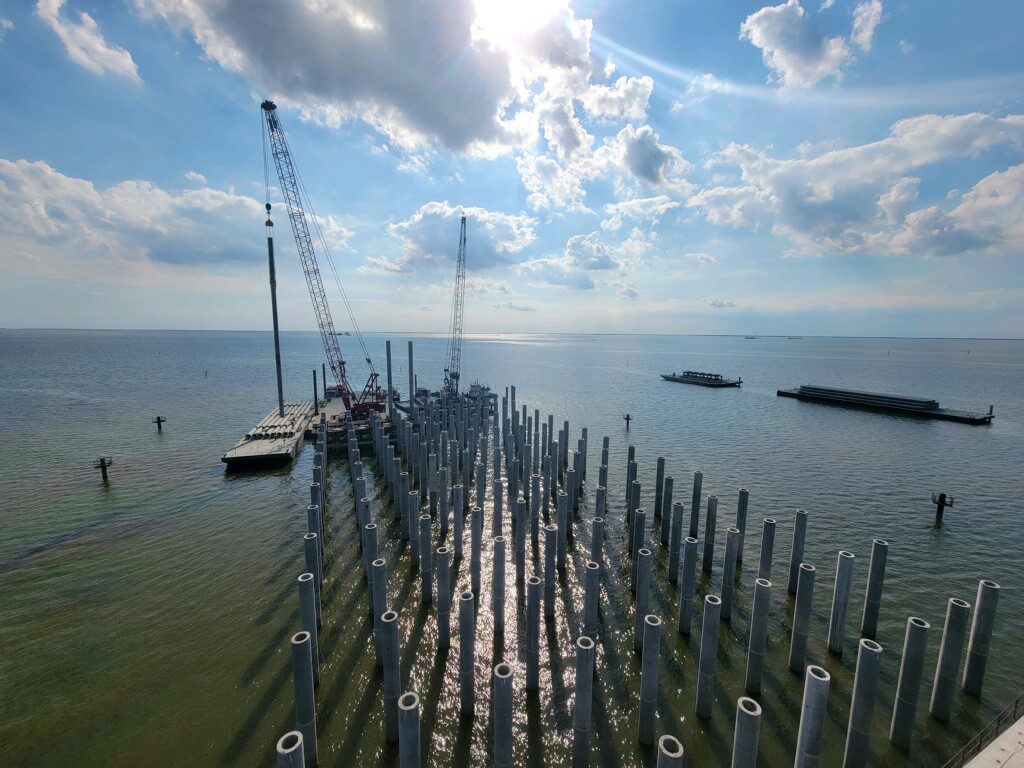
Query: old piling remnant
(307, 619)
(764, 566)
(467, 653)
(289, 751)
(591, 598)
(981, 636)
(533, 585)
(796, 555)
(901, 729)
(649, 678)
(305, 697)
(840, 602)
(379, 578)
(392, 674)
(732, 542)
(746, 733)
(645, 561)
(502, 716)
(583, 703)
(801, 618)
(670, 752)
(812, 717)
(741, 521)
(409, 730)
(873, 591)
(498, 585)
(698, 482)
(706, 670)
(865, 687)
(758, 636)
(687, 583)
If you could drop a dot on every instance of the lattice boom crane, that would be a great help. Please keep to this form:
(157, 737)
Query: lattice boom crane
(454, 357)
(372, 396)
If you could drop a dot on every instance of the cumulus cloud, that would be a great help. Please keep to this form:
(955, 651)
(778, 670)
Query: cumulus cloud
(549, 184)
(643, 209)
(637, 154)
(195, 177)
(65, 227)
(410, 68)
(866, 18)
(588, 252)
(792, 46)
(84, 42)
(627, 290)
(626, 99)
(430, 237)
(719, 303)
(850, 199)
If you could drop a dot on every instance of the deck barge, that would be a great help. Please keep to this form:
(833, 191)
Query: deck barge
(875, 401)
(715, 380)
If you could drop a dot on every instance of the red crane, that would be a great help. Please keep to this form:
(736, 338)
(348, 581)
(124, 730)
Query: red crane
(372, 396)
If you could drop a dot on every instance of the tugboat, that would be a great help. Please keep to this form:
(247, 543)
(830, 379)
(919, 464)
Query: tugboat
(702, 379)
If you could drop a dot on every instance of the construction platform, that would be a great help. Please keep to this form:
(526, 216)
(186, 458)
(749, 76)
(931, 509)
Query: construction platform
(715, 380)
(1005, 751)
(920, 407)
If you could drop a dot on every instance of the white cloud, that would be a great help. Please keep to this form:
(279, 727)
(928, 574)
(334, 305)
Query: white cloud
(514, 307)
(793, 47)
(549, 184)
(866, 18)
(627, 290)
(637, 154)
(906, 47)
(644, 209)
(85, 43)
(703, 258)
(556, 270)
(410, 68)
(65, 227)
(6, 25)
(699, 90)
(851, 199)
(588, 252)
(484, 286)
(425, 308)
(627, 99)
(430, 237)
(719, 303)
(196, 177)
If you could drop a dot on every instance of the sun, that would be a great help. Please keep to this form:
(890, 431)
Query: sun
(509, 22)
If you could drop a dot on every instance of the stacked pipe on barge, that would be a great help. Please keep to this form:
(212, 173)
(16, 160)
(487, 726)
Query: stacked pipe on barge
(415, 440)
(920, 407)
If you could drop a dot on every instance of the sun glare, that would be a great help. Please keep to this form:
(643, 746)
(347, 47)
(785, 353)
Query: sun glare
(507, 22)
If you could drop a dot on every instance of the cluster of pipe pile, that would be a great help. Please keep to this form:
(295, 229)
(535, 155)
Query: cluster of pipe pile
(445, 457)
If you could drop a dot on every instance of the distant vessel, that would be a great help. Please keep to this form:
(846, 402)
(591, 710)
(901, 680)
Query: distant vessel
(702, 379)
(274, 442)
(877, 401)
(755, 336)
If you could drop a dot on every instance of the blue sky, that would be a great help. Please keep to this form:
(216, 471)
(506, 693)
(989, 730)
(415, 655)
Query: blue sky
(800, 167)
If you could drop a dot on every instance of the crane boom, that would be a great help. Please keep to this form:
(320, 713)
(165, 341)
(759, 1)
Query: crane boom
(371, 396)
(454, 357)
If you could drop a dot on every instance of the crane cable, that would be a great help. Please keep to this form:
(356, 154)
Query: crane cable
(334, 271)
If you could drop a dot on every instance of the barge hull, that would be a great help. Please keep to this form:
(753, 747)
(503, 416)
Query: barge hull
(845, 398)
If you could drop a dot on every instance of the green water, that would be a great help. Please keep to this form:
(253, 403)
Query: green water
(146, 622)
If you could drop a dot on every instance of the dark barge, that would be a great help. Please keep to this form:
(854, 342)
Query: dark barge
(876, 401)
(702, 379)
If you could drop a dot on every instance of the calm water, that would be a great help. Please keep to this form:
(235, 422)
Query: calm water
(146, 623)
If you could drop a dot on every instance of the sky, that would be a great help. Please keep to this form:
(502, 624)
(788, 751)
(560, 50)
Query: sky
(834, 167)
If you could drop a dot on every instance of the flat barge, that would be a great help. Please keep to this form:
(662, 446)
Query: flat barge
(274, 442)
(715, 380)
(875, 401)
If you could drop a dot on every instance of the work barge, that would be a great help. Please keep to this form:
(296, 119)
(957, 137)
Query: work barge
(920, 407)
(504, 531)
(714, 380)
